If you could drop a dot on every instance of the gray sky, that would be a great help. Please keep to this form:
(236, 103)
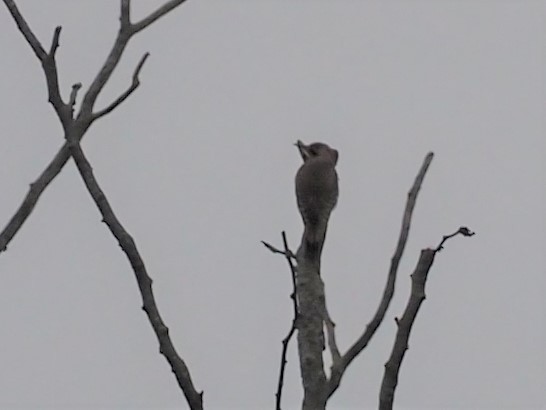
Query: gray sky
(199, 166)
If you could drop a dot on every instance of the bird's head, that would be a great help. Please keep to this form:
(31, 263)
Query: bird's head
(315, 150)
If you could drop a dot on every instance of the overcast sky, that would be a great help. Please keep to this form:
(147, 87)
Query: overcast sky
(199, 166)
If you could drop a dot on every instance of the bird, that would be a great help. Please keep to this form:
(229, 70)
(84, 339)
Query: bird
(316, 193)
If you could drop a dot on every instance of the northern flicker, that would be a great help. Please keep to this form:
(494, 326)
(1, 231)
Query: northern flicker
(316, 192)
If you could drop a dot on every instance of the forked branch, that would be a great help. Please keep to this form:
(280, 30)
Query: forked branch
(405, 323)
(339, 366)
(289, 256)
(74, 131)
(65, 111)
(126, 94)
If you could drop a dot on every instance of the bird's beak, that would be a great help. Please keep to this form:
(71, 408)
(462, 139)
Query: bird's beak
(304, 150)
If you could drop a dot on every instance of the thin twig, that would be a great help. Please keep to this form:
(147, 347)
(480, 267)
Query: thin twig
(73, 94)
(126, 31)
(161, 11)
(275, 250)
(47, 60)
(463, 230)
(126, 94)
(289, 256)
(127, 244)
(55, 41)
(405, 323)
(339, 368)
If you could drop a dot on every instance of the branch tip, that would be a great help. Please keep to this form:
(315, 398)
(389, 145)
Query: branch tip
(463, 230)
(134, 85)
(73, 94)
(139, 67)
(55, 41)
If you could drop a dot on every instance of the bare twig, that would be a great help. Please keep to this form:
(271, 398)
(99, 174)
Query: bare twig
(74, 93)
(25, 30)
(405, 323)
(49, 65)
(47, 60)
(126, 31)
(463, 230)
(288, 254)
(339, 368)
(126, 94)
(145, 22)
(55, 41)
(127, 244)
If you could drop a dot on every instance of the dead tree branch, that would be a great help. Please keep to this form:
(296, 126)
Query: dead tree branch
(339, 367)
(25, 30)
(145, 22)
(65, 111)
(75, 129)
(47, 60)
(310, 291)
(127, 244)
(126, 94)
(33, 195)
(289, 256)
(405, 323)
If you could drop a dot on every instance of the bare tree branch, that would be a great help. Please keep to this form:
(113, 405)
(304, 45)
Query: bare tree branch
(64, 111)
(160, 12)
(127, 244)
(36, 189)
(289, 256)
(405, 323)
(104, 73)
(339, 368)
(49, 64)
(126, 31)
(392, 367)
(55, 42)
(74, 131)
(25, 30)
(125, 13)
(463, 230)
(126, 94)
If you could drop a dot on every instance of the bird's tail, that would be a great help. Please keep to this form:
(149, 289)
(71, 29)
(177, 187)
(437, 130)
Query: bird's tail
(314, 235)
